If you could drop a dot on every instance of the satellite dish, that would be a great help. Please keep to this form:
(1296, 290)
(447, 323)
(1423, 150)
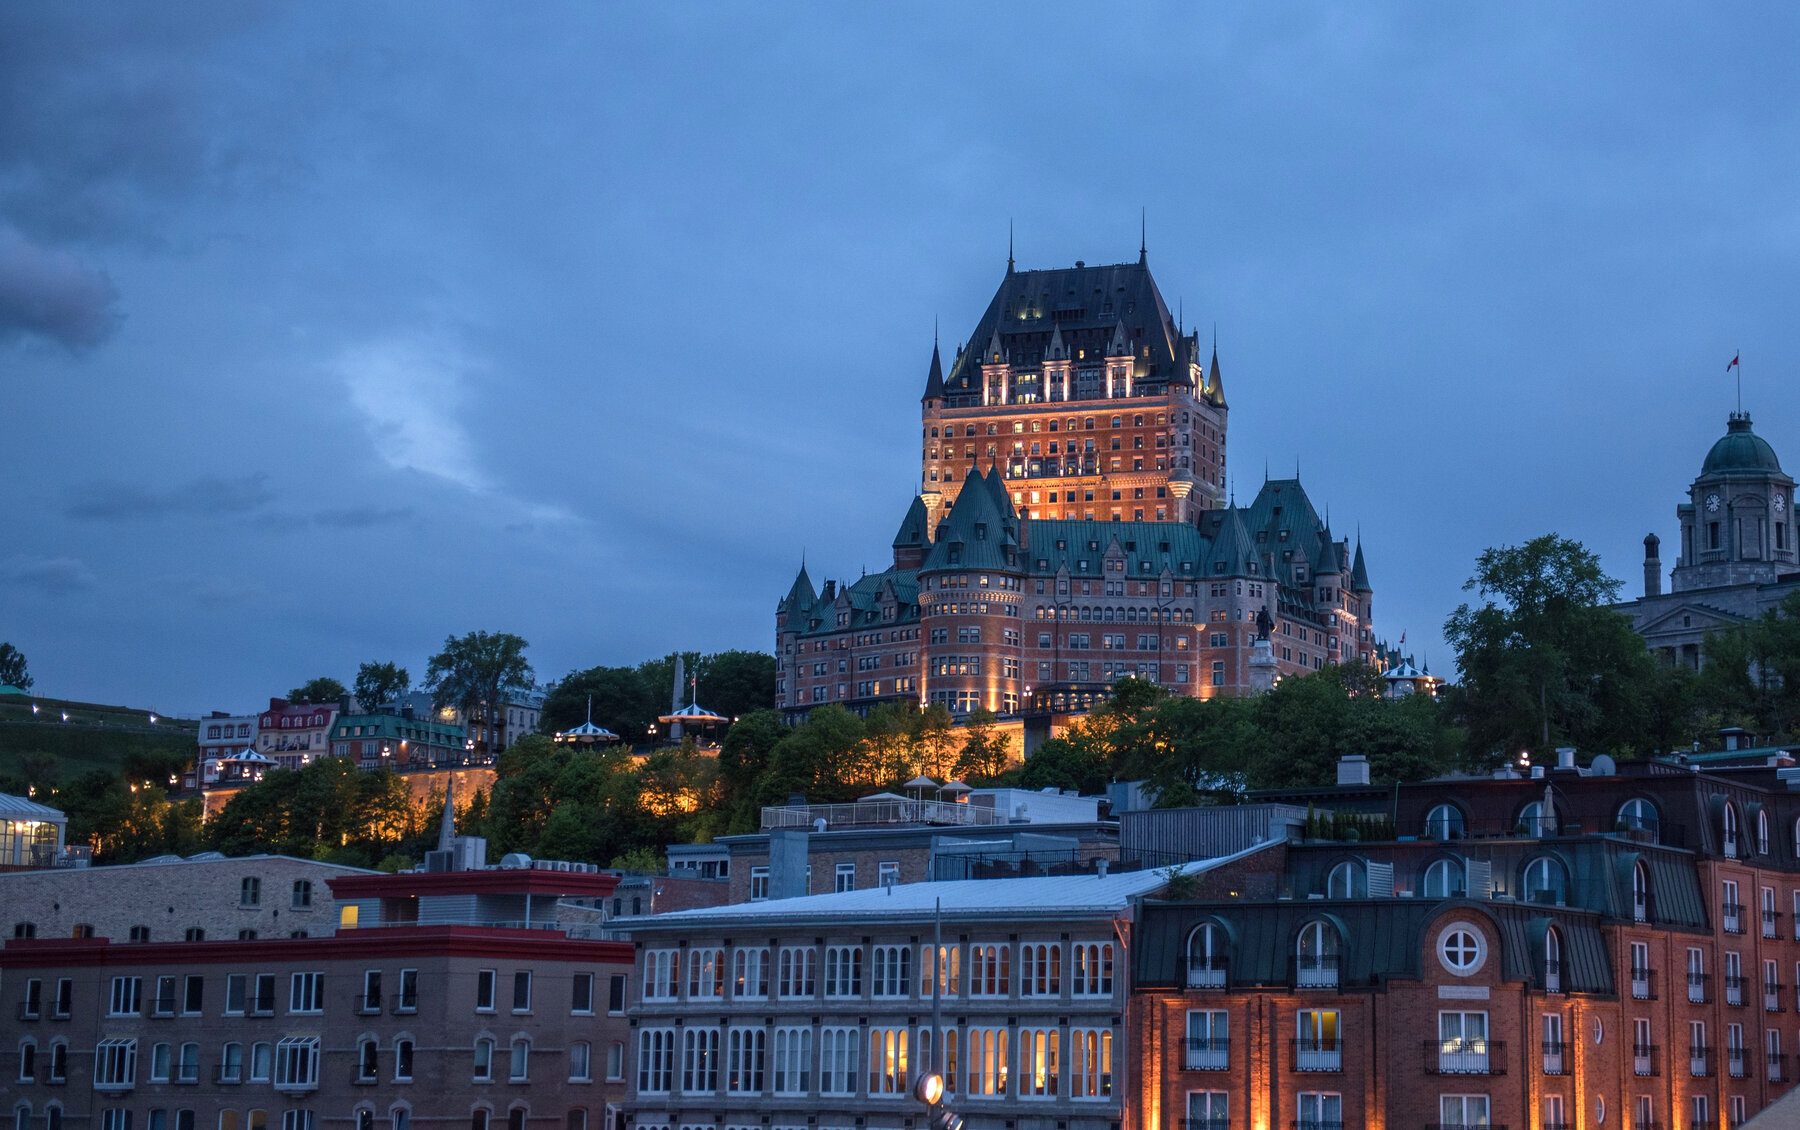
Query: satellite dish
(1602, 766)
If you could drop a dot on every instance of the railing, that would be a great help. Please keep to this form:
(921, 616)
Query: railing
(875, 812)
(162, 1006)
(1549, 1125)
(1318, 1054)
(1734, 1063)
(1206, 1124)
(1643, 984)
(1554, 1063)
(59, 1011)
(1316, 971)
(28, 1011)
(1775, 1067)
(1465, 1057)
(1553, 975)
(1465, 1126)
(1734, 990)
(1323, 1124)
(1700, 1064)
(1731, 917)
(1697, 987)
(1643, 1059)
(1208, 1053)
(1204, 973)
(262, 1006)
(1640, 908)
(225, 1075)
(406, 1002)
(1772, 996)
(367, 1004)
(1770, 929)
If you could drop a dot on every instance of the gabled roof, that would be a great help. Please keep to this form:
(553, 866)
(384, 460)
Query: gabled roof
(1087, 305)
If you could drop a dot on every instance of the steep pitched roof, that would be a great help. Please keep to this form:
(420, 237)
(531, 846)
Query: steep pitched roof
(934, 380)
(802, 596)
(913, 529)
(977, 533)
(1232, 547)
(1215, 384)
(1359, 573)
(1087, 305)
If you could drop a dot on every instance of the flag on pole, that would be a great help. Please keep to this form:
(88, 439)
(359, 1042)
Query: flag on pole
(1733, 365)
(1403, 637)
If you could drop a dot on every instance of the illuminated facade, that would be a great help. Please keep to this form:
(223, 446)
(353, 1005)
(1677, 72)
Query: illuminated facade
(1068, 531)
(1610, 946)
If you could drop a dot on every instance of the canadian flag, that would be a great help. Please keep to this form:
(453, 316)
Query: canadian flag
(1403, 637)
(1733, 365)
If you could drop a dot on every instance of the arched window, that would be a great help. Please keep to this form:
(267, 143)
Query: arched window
(1444, 879)
(1639, 816)
(1316, 955)
(1762, 832)
(1553, 949)
(1545, 882)
(1444, 822)
(1729, 831)
(1347, 881)
(1206, 957)
(1640, 892)
(1532, 820)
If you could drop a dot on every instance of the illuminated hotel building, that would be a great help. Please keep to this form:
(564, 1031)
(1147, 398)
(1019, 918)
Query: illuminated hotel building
(1069, 529)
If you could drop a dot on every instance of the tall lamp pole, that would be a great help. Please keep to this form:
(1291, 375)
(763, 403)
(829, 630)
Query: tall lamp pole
(930, 1086)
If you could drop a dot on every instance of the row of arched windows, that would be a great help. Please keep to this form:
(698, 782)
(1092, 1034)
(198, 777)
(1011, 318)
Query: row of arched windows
(1543, 880)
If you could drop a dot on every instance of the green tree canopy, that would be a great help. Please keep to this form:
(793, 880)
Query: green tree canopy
(478, 670)
(12, 667)
(1544, 659)
(323, 689)
(378, 684)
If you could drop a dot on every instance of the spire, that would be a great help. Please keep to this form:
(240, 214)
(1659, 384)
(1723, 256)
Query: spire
(447, 830)
(1215, 389)
(934, 380)
(994, 352)
(1143, 237)
(1119, 346)
(1359, 573)
(1009, 246)
(1057, 350)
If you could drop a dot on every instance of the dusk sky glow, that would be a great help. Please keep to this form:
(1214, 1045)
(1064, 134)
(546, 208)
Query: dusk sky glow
(329, 330)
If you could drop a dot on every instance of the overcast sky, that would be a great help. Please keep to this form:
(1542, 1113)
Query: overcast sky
(329, 330)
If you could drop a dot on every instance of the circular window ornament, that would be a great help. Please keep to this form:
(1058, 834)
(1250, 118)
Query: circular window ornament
(1599, 1109)
(1599, 1030)
(1462, 948)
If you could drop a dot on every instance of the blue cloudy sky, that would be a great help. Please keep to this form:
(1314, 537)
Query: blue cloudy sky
(327, 330)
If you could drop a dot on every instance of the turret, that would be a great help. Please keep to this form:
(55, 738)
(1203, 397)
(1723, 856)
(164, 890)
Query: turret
(934, 380)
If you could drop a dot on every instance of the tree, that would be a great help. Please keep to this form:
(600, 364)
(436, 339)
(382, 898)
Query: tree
(477, 670)
(986, 752)
(322, 689)
(1544, 659)
(377, 684)
(734, 683)
(12, 667)
(937, 741)
(620, 702)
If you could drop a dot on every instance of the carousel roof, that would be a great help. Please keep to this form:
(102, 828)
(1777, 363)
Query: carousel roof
(692, 712)
(250, 757)
(587, 732)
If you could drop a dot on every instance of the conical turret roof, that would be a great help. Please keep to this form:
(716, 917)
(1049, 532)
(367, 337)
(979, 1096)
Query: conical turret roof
(1233, 546)
(802, 596)
(913, 528)
(934, 380)
(1359, 573)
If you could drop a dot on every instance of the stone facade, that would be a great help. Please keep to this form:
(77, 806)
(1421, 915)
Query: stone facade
(270, 896)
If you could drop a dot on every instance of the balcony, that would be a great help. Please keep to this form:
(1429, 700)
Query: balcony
(28, 1010)
(1316, 971)
(1640, 907)
(1697, 987)
(1205, 973)
(877, 813)
(162, 1006)
(1555, 1061)
(1772, 996)
(1776, 1067)
(1206, 1124)
(367, 1004)
(1318, 1055)
(1734, 991)
(1465, 1057)
(1770, 923)
(1553, 975)
(406, 1002)
(1735, 1063)
(1208, 1053)
(1700, 1064)
(1643, 984)
(1731, 917)
(1643, 1060)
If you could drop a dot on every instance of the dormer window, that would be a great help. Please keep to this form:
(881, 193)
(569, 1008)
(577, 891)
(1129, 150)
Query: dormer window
(981, 531)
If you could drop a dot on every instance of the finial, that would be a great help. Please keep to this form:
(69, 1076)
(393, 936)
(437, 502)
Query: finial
(934, 332)
(1009, 245)
(1143, 234)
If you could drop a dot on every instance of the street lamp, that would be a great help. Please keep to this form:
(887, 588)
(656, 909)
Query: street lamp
(929, 1088)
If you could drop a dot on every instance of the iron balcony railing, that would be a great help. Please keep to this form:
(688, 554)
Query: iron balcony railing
(28, 1010)
(1776, 1067)
(1316, 970)
(1554, 1061)
(1700, 1064)
(1734, 990)
(406, 1002)
(1208, 1053)
(1732, 916)
(882, 812)
(1643, 984)
(1735, 1064)
(1465, 1057)
(1326, 1124)
(1204, 973)
(1772, 996)
(1643, 1060)
(1312, 1054)
(1465, 1126)
(1770, 920)
(1696, 982)
(367, 1004)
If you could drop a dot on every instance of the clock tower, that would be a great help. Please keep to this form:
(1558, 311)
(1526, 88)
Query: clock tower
(1737, 526)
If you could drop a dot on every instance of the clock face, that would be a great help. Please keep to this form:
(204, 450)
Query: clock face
(1712, 503)
(1780, 500)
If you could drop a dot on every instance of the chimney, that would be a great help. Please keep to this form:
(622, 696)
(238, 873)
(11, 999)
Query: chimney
(1353, 770)
(1565, 757)
(1652, 565)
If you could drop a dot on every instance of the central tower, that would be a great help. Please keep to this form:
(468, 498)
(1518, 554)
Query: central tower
(1085, 395)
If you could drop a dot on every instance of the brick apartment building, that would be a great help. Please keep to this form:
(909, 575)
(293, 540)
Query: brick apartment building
(1617, 945)
(1069, 529)
(480, 999)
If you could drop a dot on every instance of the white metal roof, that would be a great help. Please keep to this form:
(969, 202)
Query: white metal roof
(20, 808)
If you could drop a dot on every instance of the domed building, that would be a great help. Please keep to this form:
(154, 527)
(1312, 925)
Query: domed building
(1737, 555)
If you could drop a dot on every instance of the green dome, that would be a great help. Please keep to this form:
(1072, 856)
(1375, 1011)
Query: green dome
(1740, 449)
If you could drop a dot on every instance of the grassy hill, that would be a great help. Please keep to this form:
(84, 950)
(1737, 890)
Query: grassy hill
(95, 736)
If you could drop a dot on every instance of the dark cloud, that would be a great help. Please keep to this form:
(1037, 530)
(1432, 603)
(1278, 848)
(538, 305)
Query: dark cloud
(58, 576)
(204, 497)
(362, 517)
(50, 293)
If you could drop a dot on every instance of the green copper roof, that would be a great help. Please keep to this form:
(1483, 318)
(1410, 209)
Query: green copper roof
(1740, 449)
(1359, 573)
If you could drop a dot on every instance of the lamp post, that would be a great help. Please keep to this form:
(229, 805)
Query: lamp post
(929, 1088)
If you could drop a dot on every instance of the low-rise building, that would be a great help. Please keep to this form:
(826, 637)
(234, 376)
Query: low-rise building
(295, 733)
(31, 835)
(222, 735)
(402, 742)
